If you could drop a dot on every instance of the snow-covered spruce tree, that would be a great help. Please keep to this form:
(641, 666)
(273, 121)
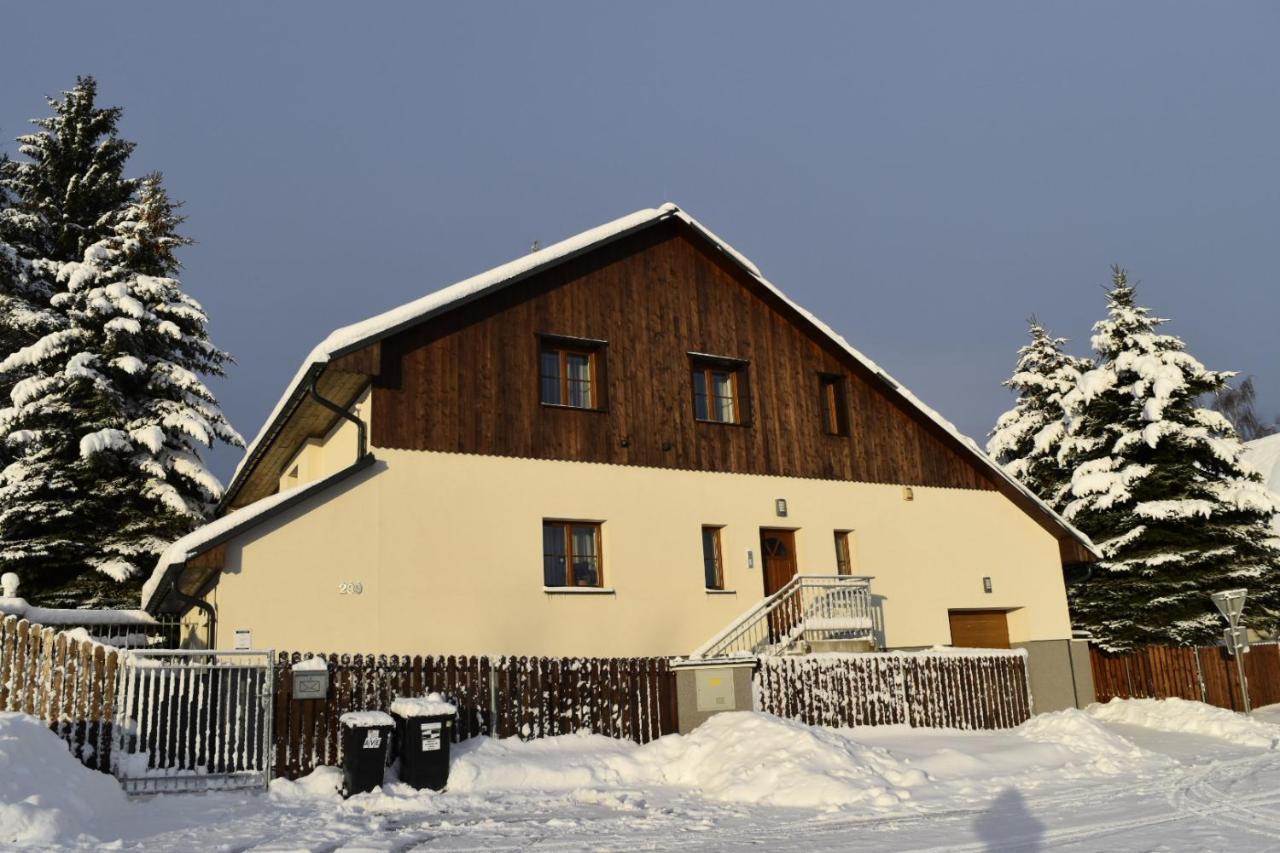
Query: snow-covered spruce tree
(66, 194)
(1026, 438)
(107, 409)
(1157, 483)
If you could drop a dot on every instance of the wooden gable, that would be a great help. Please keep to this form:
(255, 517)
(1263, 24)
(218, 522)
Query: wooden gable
(467, 381)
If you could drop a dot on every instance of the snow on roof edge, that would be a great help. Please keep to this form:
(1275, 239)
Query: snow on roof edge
(188, 546)
(348, 336)
(418, 309)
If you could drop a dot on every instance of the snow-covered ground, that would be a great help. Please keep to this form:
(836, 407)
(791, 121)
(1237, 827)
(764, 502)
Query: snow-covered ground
(1136, 775)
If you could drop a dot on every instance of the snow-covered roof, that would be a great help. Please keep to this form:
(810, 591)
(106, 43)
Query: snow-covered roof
(1263, 456)
(221, 529)
(351, 338)
(54, 616)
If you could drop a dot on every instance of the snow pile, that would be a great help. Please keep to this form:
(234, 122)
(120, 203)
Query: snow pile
(1106, 752)
(431, 705)
(564, 763)
(323, 783)
(1179, 715)
(46, 796)
(311, 664)
(734, 757)
(756, 758)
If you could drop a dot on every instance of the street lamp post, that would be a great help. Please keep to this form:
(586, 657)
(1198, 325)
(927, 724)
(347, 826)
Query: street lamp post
(1230, 604)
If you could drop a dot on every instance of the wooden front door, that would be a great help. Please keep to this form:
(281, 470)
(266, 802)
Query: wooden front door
(979, 629)
(777, 558)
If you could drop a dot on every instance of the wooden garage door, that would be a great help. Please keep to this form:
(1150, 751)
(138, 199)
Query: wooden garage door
(979, 629)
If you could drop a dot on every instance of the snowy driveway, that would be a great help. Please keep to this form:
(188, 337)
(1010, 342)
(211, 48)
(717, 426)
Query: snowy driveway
(1158, 776)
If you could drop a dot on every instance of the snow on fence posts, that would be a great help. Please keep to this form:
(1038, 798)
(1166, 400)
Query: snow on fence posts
(63, 678)
(1205, 674)
(968, 690)
(503, 697)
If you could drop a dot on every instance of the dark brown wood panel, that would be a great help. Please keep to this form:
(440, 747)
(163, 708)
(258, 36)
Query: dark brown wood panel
(467, 381)
(979, 629)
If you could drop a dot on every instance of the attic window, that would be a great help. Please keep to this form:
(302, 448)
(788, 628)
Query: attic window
(719, 389)
(570, 372)
(835, 416)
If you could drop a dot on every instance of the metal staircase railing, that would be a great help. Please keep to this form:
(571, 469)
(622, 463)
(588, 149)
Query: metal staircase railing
(810, 606)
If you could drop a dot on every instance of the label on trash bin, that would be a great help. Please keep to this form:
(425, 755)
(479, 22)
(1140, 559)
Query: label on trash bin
(372, 739)
(430, 737)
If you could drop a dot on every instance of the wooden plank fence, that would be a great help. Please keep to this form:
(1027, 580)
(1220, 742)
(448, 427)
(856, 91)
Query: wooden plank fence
(934, 689)
(66, 681)
(1204, 674)
(528, 697)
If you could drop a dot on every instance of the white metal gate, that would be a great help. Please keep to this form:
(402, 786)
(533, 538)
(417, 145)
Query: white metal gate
(193, 720)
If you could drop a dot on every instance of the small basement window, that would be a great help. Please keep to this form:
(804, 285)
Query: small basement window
(835, 414)
(571, 554)
(719, 390)
(570, 372)
(712, 561)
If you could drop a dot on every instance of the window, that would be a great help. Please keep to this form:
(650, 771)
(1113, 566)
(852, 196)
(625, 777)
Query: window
(712, 564)
(844, 566)
(570, 373)
(571, 553)
(719, 390)
(835, 420)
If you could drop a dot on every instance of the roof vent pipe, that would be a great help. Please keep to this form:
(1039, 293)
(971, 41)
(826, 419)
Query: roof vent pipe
(362, 441)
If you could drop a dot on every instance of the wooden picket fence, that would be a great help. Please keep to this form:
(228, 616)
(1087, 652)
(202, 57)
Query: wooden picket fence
(631, 698)
(934, 689)
(1204, 674)
(67, 682)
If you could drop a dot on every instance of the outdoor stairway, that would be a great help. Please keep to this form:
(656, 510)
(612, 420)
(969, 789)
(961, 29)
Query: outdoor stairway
(811, 613)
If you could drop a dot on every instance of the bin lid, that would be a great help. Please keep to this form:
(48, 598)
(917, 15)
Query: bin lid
(431, 705)
(365, 719)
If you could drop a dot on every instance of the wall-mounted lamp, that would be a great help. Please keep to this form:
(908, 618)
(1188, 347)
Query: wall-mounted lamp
(780, 507)
(986, 584)
(908, 494)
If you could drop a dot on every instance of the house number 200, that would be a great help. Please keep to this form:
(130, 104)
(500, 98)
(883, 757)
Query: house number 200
(350, 588)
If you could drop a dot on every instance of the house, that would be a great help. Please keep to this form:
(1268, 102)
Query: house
(1263, 456)
(615, 446)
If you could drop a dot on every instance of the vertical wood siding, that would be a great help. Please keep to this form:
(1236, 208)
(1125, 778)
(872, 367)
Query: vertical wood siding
(467, 381)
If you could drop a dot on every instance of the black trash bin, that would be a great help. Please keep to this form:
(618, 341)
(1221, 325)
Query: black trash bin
(366, 737)
(424, 728)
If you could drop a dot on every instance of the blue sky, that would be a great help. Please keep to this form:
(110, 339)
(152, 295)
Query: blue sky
(922, 175)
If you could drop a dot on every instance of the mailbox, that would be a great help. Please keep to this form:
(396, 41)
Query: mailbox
(310, 679)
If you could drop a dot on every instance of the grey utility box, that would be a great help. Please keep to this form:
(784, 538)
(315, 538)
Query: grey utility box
(310, 679)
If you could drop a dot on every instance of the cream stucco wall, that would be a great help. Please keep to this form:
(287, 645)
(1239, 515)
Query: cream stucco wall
(447, 551)
(320, 457)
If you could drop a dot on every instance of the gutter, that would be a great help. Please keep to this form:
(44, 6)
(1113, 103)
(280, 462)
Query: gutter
(364, 460)
(309, 377)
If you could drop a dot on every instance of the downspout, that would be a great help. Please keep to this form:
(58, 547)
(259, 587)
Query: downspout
(210, 615)
(362, 451)
(362, 441)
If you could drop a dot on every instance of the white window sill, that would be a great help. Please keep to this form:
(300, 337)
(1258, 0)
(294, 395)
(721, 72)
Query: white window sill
(721, 592)
(578, 590)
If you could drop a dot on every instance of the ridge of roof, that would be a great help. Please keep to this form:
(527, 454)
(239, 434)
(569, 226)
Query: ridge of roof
(349, 338)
